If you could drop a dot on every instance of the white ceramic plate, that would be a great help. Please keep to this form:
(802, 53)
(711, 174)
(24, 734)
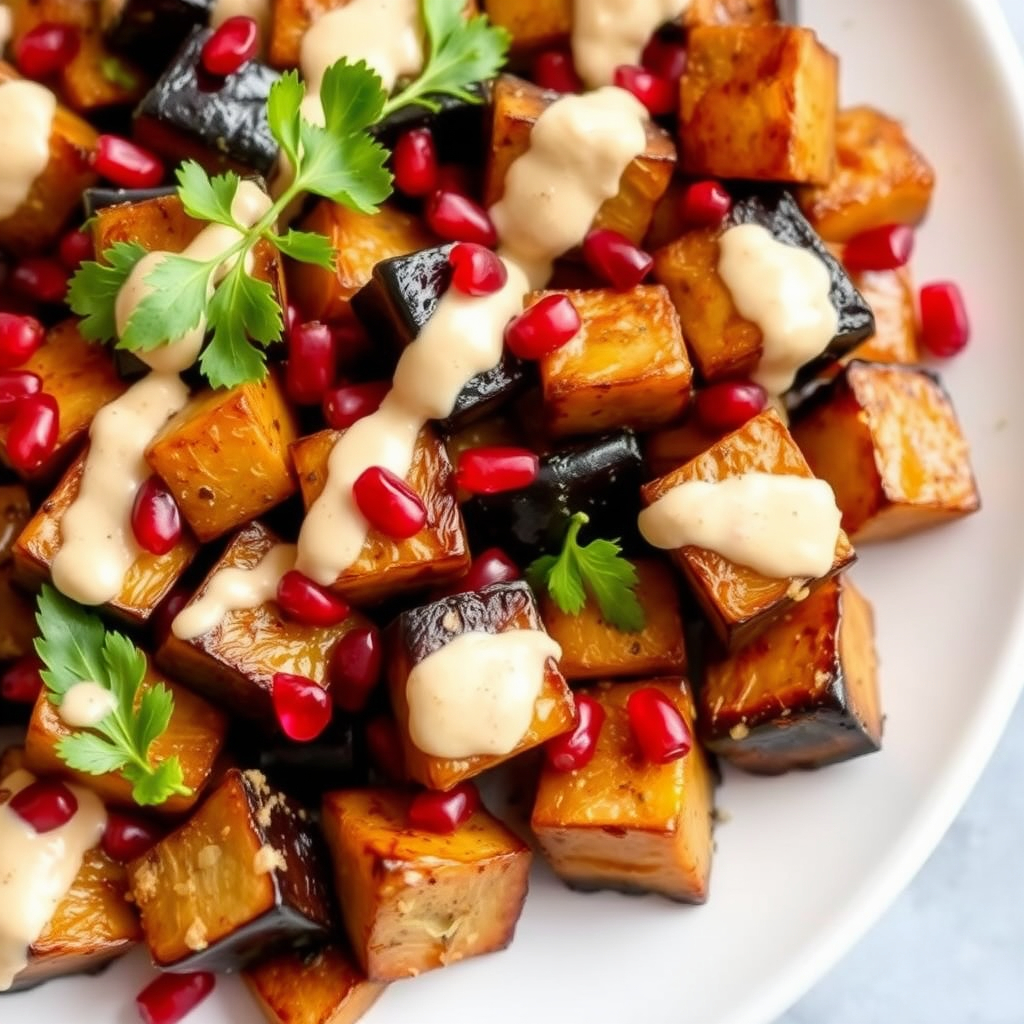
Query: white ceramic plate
(806, 862)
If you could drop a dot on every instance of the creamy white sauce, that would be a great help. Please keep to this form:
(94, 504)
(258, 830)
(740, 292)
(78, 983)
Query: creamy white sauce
(37, 870)
(85, 705)
(607, 33)
(26, 120)
(476, 694)
(784, 290)
(258, 10)
(234, 589)
(779, 526)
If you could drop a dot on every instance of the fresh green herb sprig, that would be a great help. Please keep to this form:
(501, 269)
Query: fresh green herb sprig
(75, 647)
(596, 570)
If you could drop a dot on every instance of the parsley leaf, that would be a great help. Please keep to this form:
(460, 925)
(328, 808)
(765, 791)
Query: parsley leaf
(207, 198)
(283, 116)
(75, 647)
(93, 291)
(306, 247)
(596, 570)
(174, 306)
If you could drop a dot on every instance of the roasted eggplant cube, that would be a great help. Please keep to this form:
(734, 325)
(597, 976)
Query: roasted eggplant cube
(803, 694)
(739, 602)
(626, 367)
(438, 554)
(92, 925)
(234, 663)
(401, 296)
(667, 449)
(532, 24)
(758, 102)
(152, 29)
(880, 178)
(337, 758)
(621, 823)
(600, 478)
(242, 878)
(15, 512)
(722, 343)
(149, 580)
(222, 125)
(99, 197)
(17, 617)
(730, 12)
(321, 986)
(81, 377)
(195, 735)
(413, 901)
(53, 198)
(891, 296)
(420, 632)
(592, 649)
(887, 440)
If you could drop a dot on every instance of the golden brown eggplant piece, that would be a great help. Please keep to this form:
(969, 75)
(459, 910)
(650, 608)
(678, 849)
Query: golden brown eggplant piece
(891, 296)
(667, 449)
(15, 512)
(17, 616)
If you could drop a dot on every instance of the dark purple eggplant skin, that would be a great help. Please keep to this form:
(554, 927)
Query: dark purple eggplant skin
(150, 31)
(99, 198)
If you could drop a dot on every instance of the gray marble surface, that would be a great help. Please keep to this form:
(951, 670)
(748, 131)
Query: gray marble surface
(951, 949)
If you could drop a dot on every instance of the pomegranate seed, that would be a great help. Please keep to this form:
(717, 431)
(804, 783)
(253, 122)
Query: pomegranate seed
(389, 503)
(728, 404)
(945, 329)
(349, 403)
(45, 804)
(156, 521)
(305, 601)
(476, 270)
(575, 748)
(615, 258)
(234, 43)
(291, 318)
(415, 163)
(302, 707)
(658, 726)
(166, 612)
(33, 432)
(170, 996)
(46, 48)
(458, 219)
(385, 748)
(658, 95)
(493, 470)
(490, 566)
(443, 813)
(311, 363)
(665, 58)
(884, 248)
(75, 248)
(126, 164)
(127, 837)
(455, 178)
(554, 69)
(355, 667)
(15, 386)
(704, 204)
(41, 279)
(20, 336)
(22, 683)
(543, 328)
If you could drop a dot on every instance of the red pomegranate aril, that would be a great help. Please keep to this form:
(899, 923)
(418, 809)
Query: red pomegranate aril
(20, 336)
(665, 58)
(44, 804)
(41, 279)
(457, 218)
(127, 837)
(302, 707)
(415, 162)
(307, 602)
(658, 726)
(443, 813)
(616, 259)
(704, 204)
(554, 69)
(21, 683)
(75, 248)
(384, 746)
(543, 328)
(33, 432)
(126, 164)
(493, 470)
(728, 404)
(355, 667)
(46, 48)
(657, 94)
(170, 996)
(349, 403)
(456, 178)
(575, 748)
(884, 248)
(234, 42)
(490, 566)
(945, 328)
(15, 387)
(389, 503)
(156, 521)
(312, 358)
(476, 270)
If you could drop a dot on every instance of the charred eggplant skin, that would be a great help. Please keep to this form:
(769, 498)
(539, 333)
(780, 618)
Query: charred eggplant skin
(100, 197)
(152, 30)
